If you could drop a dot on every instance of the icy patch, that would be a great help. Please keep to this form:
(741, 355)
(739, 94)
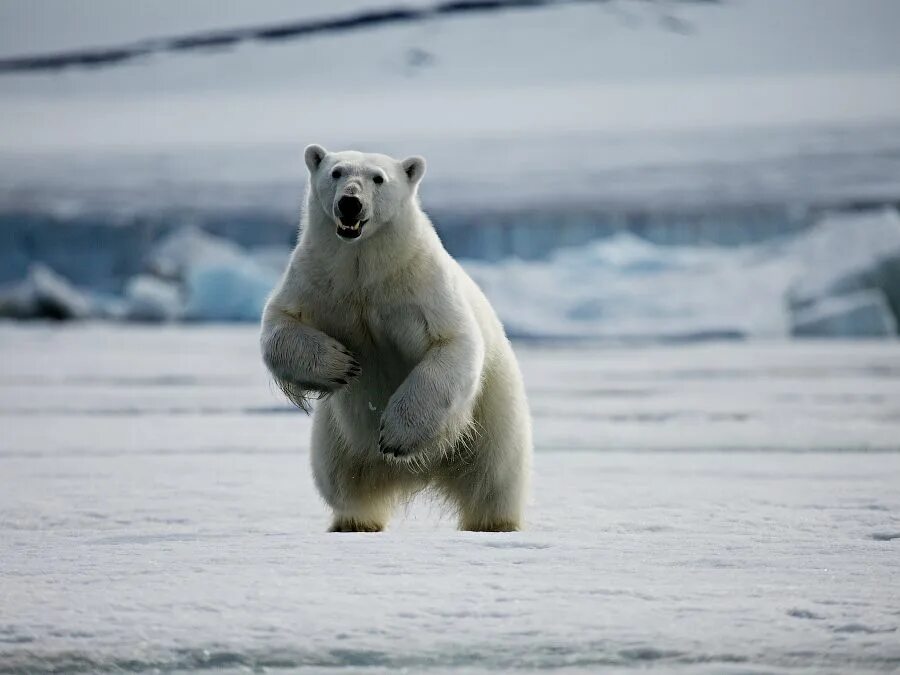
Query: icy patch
(220, 280)
(840, 279)
(44, 294)
(228, 291)
(177, 254)
(864, 313)
(849, 252)
(150, 299)
(627, 287)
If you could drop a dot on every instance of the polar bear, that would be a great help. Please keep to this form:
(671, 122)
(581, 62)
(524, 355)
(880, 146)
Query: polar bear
(418, 383)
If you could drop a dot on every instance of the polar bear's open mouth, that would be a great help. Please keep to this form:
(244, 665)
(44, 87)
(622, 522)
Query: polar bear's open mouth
(351, 231)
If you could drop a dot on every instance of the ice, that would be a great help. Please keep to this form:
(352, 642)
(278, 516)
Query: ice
(152, 299)
(220, 280)
(840, 277)
(187, 248)
(274, 258)
(44, 294)
(717, 508)
(860, 314)
(625, 287)
(234, 290)
(850, 252)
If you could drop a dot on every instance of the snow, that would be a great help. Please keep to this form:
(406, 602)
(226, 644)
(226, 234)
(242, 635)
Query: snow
(763, 101)
(641, 171)
(705, 508)
(615, 64)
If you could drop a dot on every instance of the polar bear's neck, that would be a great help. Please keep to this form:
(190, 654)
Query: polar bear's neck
(405, 241)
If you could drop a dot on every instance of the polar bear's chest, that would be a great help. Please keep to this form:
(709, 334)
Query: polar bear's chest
(383, 341)
(392, 335)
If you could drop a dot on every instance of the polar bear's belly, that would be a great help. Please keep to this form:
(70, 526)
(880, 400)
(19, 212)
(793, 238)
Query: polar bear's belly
(358, 407)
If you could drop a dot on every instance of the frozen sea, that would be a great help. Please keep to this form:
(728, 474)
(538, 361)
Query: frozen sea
(714, 507)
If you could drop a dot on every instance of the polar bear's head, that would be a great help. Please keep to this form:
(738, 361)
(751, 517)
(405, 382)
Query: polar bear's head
(360, 192)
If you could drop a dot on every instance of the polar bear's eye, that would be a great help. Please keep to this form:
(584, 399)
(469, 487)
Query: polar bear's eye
(378, 180)
(336, 174)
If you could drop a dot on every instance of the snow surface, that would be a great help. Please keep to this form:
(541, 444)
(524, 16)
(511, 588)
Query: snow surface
(718, 508)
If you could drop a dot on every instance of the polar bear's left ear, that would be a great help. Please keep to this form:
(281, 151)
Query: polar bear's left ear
(314, 154)
(414, 168)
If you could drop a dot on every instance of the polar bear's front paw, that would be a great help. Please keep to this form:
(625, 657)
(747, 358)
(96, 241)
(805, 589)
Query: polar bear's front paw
(399, 438)
(328, 367)
(339, 365)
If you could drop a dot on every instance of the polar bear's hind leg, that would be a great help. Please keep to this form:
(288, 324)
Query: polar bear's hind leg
(361, 494)
(491, 491)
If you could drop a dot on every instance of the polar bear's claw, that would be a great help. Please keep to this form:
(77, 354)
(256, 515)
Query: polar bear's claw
(386, 449)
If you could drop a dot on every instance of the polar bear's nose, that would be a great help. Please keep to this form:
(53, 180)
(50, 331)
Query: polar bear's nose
(350, 207)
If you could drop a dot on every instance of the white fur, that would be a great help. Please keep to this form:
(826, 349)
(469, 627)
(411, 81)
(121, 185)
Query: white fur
(431, 377)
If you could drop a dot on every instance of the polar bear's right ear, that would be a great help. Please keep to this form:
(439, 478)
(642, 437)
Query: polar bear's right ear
(414, 168)
(314, 154)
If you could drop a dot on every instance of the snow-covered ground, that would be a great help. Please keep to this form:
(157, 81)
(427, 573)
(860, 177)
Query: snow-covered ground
(715, 508)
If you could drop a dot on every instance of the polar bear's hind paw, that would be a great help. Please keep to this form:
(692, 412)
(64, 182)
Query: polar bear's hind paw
(344, 524)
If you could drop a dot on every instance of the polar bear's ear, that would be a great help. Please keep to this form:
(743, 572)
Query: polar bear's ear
(414, 168)
(314, 154)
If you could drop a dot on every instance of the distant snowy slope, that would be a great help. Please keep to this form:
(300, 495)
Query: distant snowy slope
(591, 102)
(584, 66)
